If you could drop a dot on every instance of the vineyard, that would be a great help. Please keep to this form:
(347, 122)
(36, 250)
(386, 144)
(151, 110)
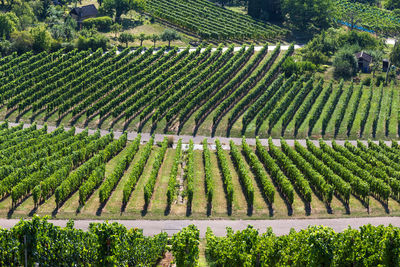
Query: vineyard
(368, 17)
(40, 242)
(67, 173)
(202, 92)
(213, 22)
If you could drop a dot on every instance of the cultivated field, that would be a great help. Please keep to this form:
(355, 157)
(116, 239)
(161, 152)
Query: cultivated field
(213, 22)
(203, 91)
(86, 176)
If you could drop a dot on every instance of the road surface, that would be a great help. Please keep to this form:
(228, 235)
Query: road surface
(198, 139)
(280, 227)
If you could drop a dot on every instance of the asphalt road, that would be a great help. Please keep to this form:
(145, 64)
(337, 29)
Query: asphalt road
(198, 139)
(280, 227)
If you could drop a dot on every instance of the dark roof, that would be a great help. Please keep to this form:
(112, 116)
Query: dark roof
(364, 56)
(84, 11)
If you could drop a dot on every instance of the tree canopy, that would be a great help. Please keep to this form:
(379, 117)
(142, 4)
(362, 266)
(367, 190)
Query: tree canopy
(308, 14)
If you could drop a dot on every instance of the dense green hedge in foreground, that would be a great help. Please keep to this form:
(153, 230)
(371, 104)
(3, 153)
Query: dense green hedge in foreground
(112, 244)
(103, 245)
(314, 246)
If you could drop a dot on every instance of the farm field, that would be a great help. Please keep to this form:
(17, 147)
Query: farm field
(70, 175)
(368, 17)
(196, 92)
(213, 22)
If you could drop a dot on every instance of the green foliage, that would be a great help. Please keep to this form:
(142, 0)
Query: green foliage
(267, 187)
(314, 246)
(92, 42)
(345, 64)
(111, 181)
(189, 173)
(208, 174)
(41, 39)
(102, 245)
(212, 21)
(170, 35)
(151, 182)
(185, 246)
(368, 16)
(283, 184)
(308, 15)
(126, 38)
(171, 191)
(243, 172)
(137, 171)
(7, 25)
(226, 174)
(100, 23)
(395, 54)
(117, 7)
(291, 171)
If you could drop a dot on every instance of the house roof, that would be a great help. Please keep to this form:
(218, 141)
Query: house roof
(365, 56)
(84, 11)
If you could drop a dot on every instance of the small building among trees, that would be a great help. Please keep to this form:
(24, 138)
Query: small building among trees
(83, 12)
(364, 61)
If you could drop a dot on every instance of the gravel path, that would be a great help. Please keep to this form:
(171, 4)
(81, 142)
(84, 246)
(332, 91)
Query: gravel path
(280, 227)
(198, 139)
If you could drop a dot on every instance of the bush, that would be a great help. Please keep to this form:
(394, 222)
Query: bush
(93, 42)
(289, 67)
(367, 81)
(185, 246)
(379, 80)
(100, 23)
(345, 64)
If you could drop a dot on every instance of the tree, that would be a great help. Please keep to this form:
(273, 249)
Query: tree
(170, 35)
(116, 28)
(395, 55)
(308, 14)
(351, 16)
(7, 26)
(377, 57)
(392, 4)
(24, 13)
(345, 63)
(155, 38)
(41, 39)
(265, 9)
(126, 38)
(22, 41)
(119, 7)
(142, 37)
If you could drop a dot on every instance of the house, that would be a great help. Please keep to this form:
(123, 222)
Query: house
(364, 61)
(83, 12)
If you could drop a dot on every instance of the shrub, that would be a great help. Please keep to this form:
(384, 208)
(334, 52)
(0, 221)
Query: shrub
(93, 42)
(185, 246)
(367, 81)
(379, 80)
(100, 23)
(345, 64)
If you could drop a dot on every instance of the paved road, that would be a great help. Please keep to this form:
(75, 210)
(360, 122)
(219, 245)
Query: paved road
(280, 227)
(198, 139)
(256, 48)
(235, 49)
